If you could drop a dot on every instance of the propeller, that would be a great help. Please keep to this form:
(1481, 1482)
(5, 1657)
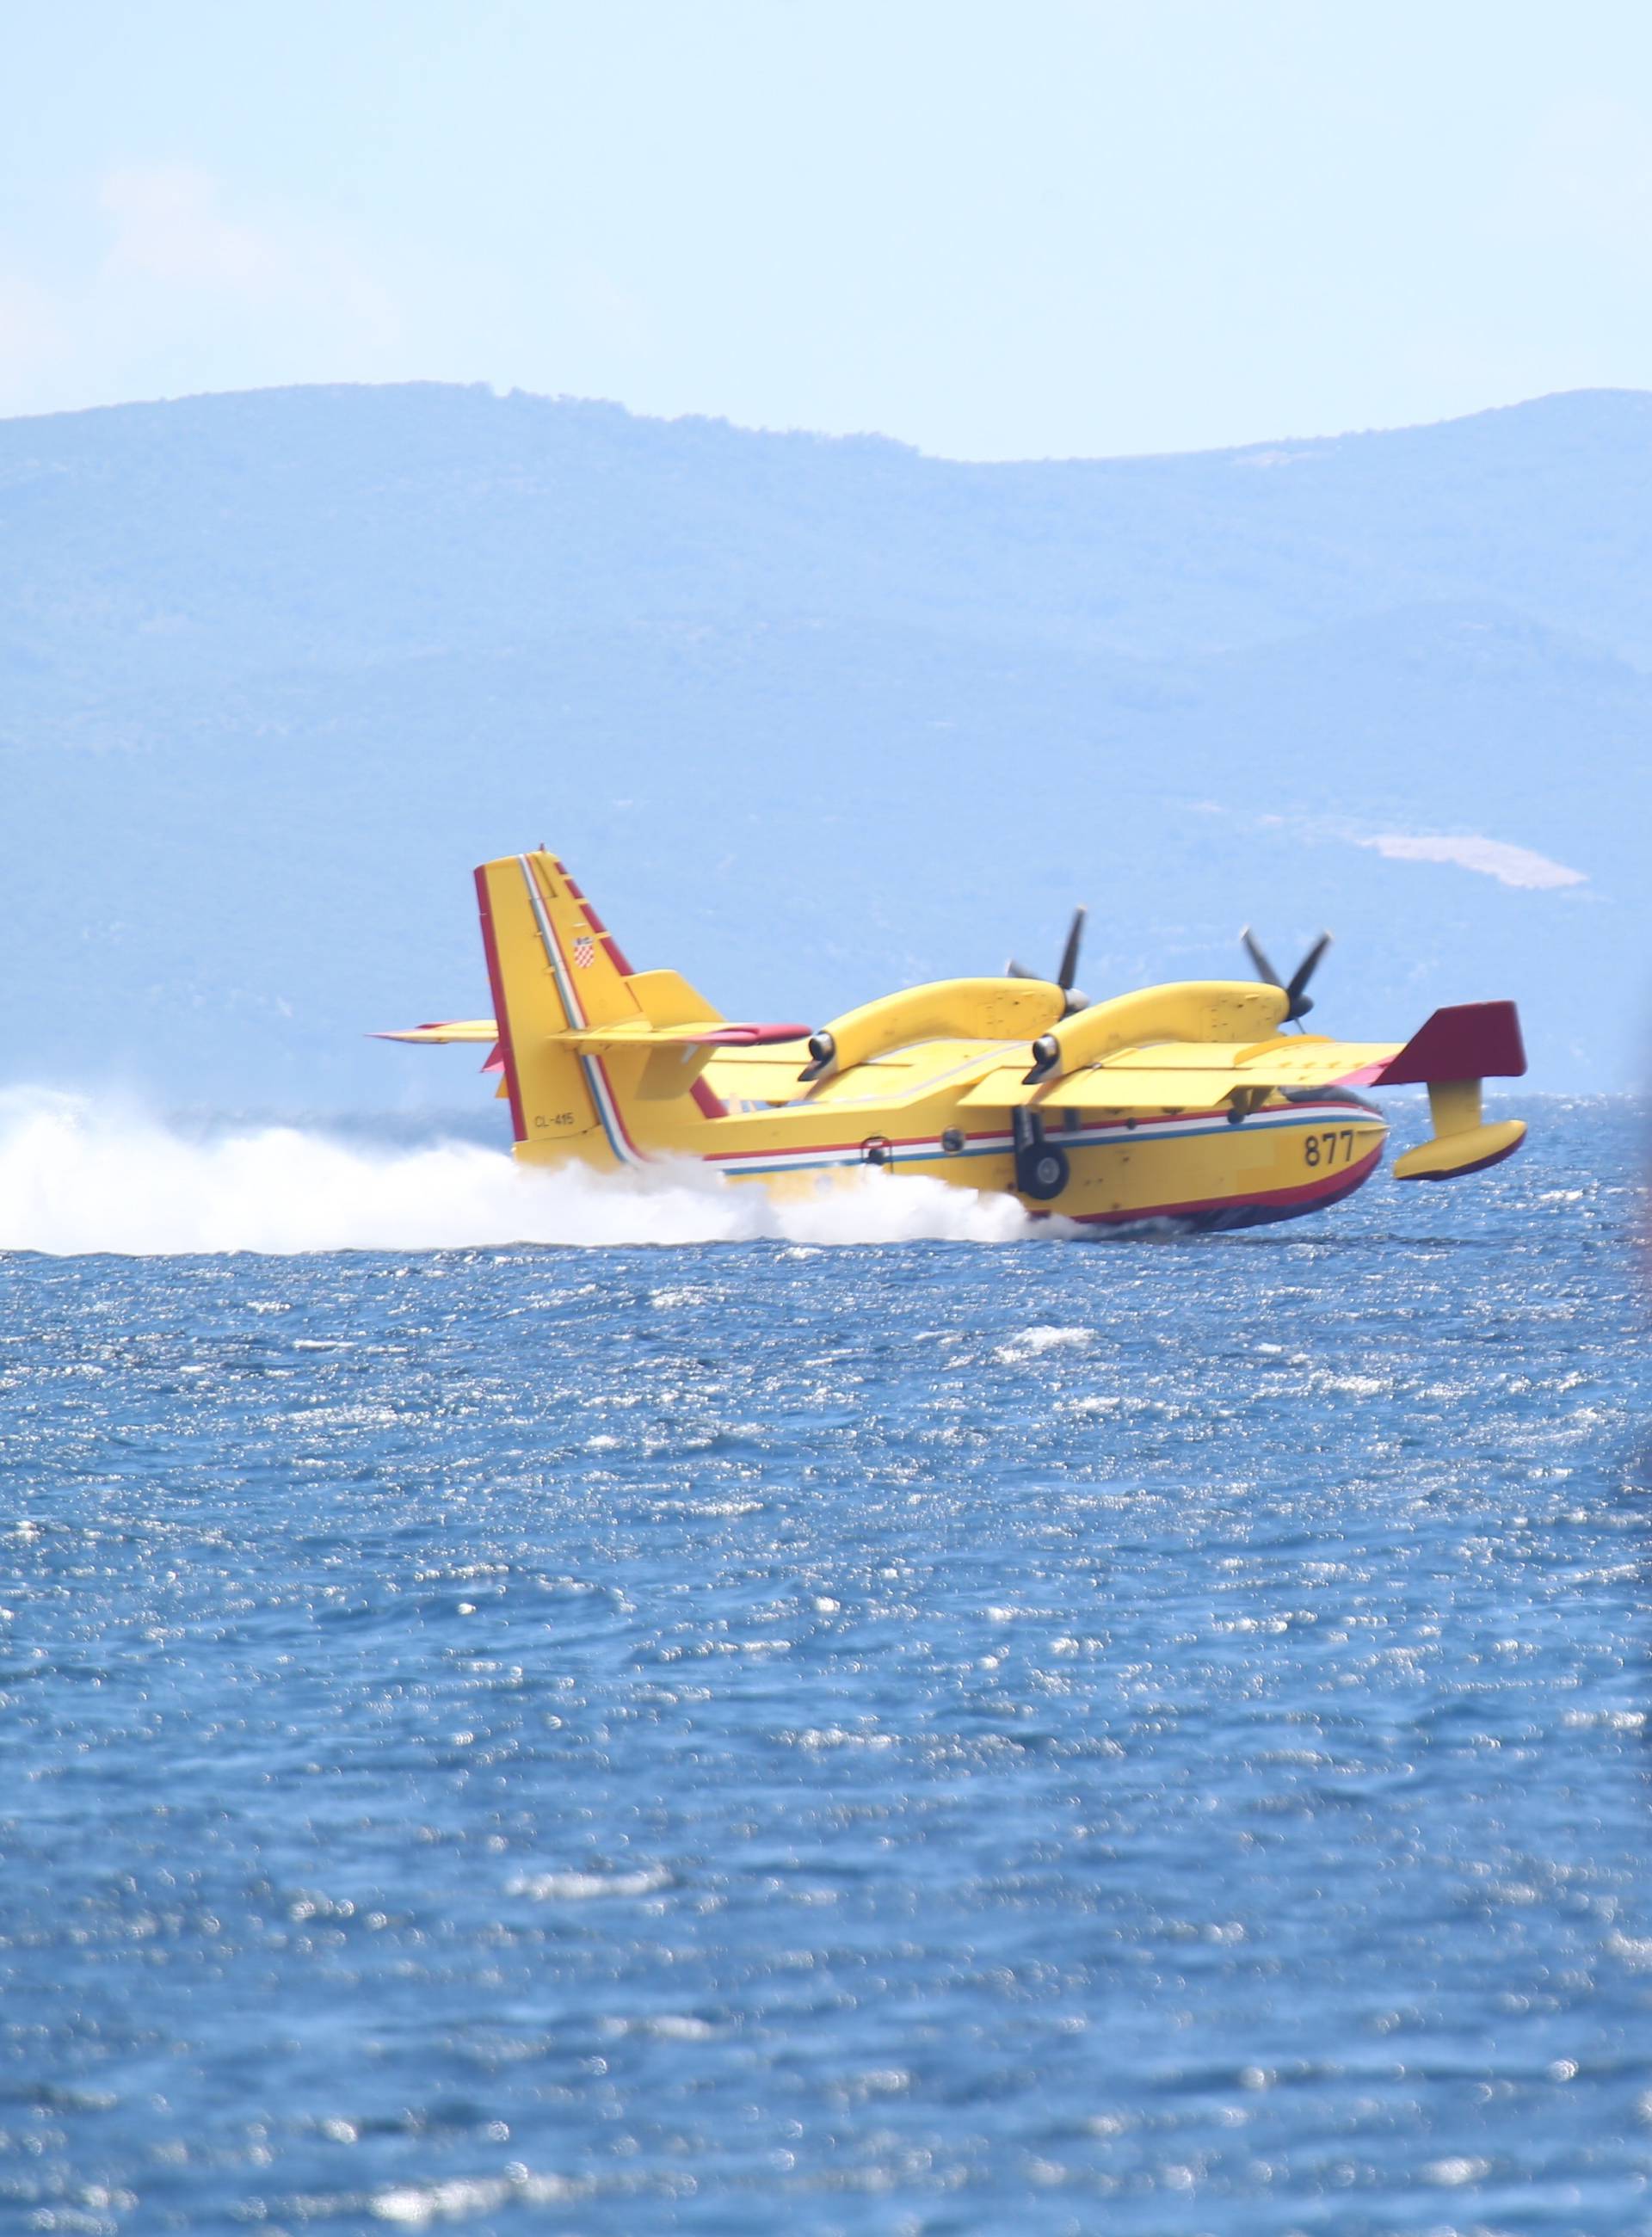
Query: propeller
(1295, 988)
(1068, 968)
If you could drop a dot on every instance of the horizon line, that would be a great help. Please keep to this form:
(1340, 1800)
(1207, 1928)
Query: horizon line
(1290, 444)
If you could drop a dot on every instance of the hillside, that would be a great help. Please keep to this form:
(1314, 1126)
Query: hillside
(807, 717)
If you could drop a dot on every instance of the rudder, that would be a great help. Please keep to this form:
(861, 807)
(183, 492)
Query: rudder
(553, 966)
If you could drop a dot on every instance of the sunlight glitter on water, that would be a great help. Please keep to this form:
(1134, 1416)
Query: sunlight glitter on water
(863, 1740)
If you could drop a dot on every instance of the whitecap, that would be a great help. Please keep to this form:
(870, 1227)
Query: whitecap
(584, 1887)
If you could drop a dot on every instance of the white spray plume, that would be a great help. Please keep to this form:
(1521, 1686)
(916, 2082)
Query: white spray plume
(79, 1176)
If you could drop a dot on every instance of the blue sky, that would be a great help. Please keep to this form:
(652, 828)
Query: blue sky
(1067, 228)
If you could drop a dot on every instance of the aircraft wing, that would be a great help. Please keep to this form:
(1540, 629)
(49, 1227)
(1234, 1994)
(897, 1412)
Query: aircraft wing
(629, 1033)
(709, 1034)
(1189, 1075)
(1453, 1049)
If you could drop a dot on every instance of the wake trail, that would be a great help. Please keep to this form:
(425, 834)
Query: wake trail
(80, 1175)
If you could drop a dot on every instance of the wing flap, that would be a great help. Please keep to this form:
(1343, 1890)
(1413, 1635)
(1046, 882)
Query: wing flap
(1291, 1060)
(1174, 1088)
(1188, 1075)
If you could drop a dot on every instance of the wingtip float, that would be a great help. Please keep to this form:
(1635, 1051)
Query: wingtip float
(1187, 1106)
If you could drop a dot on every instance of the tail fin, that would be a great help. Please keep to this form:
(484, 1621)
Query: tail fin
(552, 965)
(600, 1062)
(595, 1054)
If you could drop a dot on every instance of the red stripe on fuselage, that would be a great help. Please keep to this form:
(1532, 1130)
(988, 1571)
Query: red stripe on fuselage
(1302, 1197)
(601, 1072)
(921, 1141)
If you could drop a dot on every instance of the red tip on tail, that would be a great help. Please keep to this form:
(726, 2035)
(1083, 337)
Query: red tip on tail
(1473, 1040)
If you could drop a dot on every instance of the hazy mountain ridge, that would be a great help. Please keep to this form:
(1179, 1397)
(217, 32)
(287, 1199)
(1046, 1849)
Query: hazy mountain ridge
(809, 715)
(312, 514)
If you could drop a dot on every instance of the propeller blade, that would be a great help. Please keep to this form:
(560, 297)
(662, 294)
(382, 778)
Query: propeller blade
(1304, 971)
(1069, 970)
(1265, 971)
(1295, 990)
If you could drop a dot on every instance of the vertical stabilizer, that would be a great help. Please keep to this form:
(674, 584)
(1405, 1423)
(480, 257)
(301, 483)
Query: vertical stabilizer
(554, 965)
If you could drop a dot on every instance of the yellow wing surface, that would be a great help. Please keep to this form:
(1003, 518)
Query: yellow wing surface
(1181, 1075)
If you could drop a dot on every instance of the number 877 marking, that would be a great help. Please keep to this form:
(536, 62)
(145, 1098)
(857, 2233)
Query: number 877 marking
(1333, 1147)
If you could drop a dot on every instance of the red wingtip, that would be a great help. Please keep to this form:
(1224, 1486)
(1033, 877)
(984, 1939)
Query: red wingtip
(1471, 1041)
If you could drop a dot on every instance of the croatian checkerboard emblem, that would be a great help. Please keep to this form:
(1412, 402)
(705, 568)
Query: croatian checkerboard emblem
(584, 952)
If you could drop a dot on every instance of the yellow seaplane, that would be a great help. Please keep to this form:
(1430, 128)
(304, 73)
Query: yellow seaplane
(1180, 1107)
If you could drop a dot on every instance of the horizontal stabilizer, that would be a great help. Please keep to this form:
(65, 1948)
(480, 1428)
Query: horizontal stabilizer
(456, 1029)
(639, 1034)
(629, 1033)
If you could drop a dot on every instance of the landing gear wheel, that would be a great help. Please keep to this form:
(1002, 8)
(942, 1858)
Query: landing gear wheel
(1041, 1168)
(1043, 1172)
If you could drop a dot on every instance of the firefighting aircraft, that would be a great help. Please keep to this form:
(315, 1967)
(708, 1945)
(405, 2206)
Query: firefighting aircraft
(1181, 1107)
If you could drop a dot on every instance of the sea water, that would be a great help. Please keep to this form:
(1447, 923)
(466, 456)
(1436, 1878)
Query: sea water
(965, 1732)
